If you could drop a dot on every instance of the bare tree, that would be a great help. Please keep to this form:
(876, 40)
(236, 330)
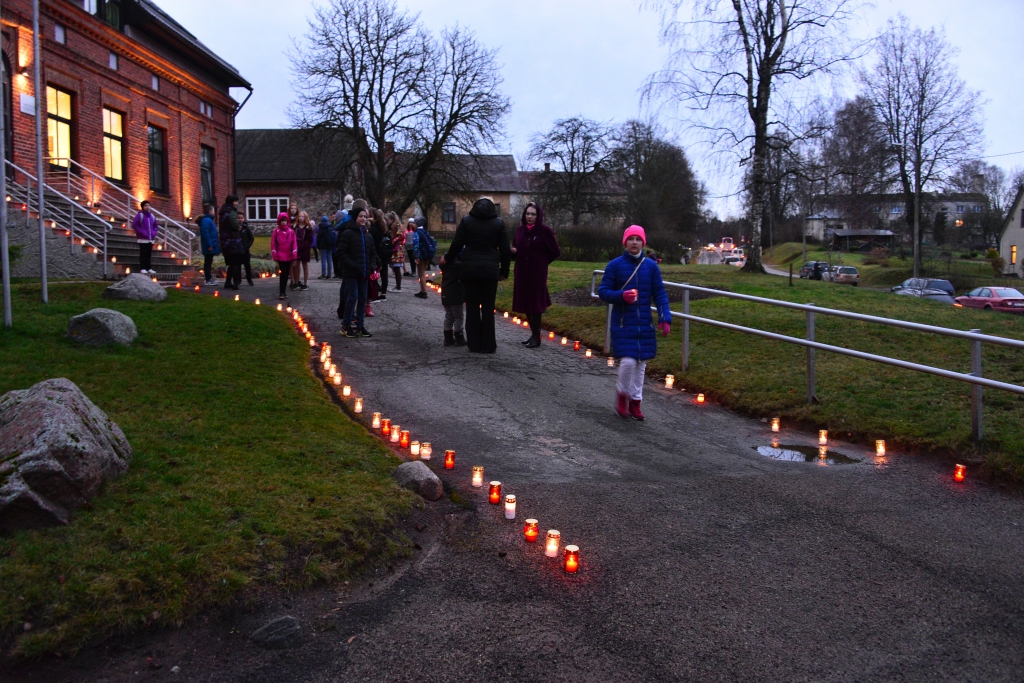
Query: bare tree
(578, 182)
(403, 96)
(734, 67)
(931, 118)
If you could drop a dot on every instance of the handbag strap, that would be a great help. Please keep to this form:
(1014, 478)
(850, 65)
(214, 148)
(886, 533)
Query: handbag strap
(634, 272)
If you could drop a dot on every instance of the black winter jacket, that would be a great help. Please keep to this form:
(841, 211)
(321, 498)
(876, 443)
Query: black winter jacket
(382, 242)
(482, 234)
(356, 251)
(451, 283)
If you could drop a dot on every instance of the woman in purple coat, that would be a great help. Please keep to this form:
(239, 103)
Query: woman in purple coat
(533, 248)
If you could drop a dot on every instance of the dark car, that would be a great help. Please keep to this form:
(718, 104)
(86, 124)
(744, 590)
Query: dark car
(807, 270)
(1005, 299)
(927, 288)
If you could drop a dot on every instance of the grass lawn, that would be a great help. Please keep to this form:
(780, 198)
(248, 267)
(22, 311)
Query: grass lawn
(861, 400)
(245, 474)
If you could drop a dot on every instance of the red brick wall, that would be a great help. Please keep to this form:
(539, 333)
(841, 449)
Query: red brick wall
(81, 67)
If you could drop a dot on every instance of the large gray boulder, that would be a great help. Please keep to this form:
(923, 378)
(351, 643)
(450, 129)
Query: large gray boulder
(102, 326)
(417, 477)
(137, 287)
(56, 450)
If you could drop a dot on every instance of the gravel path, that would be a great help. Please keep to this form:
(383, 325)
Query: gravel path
(701, 559)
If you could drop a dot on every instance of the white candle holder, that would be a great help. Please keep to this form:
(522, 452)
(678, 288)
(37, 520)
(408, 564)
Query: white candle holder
(551, 543)
(510, 506)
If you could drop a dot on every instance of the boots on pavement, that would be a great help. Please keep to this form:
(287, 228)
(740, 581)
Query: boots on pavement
(622, 405)
(634, 410)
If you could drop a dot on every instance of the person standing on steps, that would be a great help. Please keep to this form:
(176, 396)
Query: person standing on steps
(358, 257)
(247, 239)
(453, 300)
(534, 247)
(304, 236)
(326, 241)
(284, 250)
(483, 244)
(146, 229)
(209, 242)
(631, 283)
(231, 241)
(426, 247)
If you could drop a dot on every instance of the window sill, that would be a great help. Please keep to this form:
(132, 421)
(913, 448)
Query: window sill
(157, 194)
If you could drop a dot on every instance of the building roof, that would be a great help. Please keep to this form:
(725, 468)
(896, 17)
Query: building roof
(284, 155)
(898, 198)
(148, 16)
(864, 233)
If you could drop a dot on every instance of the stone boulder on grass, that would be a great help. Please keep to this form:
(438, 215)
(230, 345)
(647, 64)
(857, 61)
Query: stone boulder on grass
(137, 287)
(56, 450)
(417, 477)
(102, 326)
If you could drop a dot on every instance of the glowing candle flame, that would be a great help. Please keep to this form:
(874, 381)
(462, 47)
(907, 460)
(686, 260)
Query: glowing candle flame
(551, 543)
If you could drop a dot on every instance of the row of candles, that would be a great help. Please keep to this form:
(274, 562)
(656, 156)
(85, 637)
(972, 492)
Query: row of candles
(576, 346)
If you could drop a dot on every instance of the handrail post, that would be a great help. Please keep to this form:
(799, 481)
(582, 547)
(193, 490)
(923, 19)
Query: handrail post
(686, 329)
(976, 389)
(105, 254)
(72, 227)
(811, 369)
(608, 332)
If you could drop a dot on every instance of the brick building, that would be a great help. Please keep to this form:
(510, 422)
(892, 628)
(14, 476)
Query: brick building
(136, 108)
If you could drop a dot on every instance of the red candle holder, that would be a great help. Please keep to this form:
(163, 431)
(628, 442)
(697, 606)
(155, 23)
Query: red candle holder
(572, 559)
(531, 531)
(960, 473)
(403, 438)
(385, 427)
(551, 335)
(575, 346)
(449, 460)
(495, 495)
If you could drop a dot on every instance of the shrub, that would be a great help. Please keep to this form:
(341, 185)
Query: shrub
(992, 253)
(998, 265)
(879, 255)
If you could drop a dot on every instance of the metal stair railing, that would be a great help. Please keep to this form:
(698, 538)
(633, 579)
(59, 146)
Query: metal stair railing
(81, 223)
(80, 180)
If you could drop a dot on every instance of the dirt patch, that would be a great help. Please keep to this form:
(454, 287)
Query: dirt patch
(580, 296)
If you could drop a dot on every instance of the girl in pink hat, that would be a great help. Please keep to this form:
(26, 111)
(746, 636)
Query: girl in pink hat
(632, 284)
(283, 249)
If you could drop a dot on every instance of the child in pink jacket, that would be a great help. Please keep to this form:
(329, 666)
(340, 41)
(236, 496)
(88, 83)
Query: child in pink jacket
(283, 249)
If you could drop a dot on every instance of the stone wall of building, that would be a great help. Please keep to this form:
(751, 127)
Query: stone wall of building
(62, 260)
(316, 199)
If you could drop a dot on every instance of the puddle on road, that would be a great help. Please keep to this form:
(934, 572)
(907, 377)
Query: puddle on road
(820, 454)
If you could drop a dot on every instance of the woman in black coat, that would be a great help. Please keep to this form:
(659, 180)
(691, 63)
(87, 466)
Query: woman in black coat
(482, 242)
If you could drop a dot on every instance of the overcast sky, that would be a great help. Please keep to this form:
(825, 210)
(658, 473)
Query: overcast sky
(566, 57)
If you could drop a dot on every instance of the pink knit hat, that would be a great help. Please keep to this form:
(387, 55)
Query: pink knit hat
(634, 230)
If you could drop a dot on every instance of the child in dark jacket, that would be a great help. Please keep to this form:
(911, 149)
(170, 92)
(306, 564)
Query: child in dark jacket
(452, 298)
(632, 283)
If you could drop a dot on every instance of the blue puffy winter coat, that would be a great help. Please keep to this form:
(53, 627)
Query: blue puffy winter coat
(633, 331)
(208, 236)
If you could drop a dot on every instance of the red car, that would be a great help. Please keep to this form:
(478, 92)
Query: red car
(1005, 299)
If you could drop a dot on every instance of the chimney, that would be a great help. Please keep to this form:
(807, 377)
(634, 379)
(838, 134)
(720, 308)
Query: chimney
(547, 167)
(389, 150)
(978, 183)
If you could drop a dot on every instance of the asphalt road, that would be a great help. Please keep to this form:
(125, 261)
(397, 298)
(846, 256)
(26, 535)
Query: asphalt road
(701, 560)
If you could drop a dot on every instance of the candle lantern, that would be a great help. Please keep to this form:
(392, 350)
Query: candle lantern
(495, 492)
(197, 289)
(376, 421)
(216, 294)
(280, 307)
(236, 298)
(346, 391)
(177, 285)
(414, 448)
(330, 371)
(670, 381)
(478, 476)
(385, 426)
(257, 302)
(449, 459)
(396, 433)
(880, 447)
(700, 398)
(960, 473)
(822, 437)
(510, 506)
(403, 438)
(551, 543)
(289, 309)
(312, 342)
(572, 559)
(611, 362)
(588, 354)
(565, 340)
(337, 380)
(426, 450)
(359, 405)
(531, 531)
(551, 335)
(505, 315)
(775, 424)
(575, 346)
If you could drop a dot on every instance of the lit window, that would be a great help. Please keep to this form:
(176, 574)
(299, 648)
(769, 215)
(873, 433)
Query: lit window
(60, 34)
(154, 82)
(112, 61)
(1013, 255)
(113, 144)
(58, 126)
(264, 208)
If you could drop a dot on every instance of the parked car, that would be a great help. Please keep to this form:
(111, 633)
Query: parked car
(1005, 299)
(808, 268)
(846, 275)
(927, 288)
(732, 261)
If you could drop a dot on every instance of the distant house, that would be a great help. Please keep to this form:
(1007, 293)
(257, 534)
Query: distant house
(953, 211)
(1011, 240)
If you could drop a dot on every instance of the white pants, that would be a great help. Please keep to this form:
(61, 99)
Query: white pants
(631, 377)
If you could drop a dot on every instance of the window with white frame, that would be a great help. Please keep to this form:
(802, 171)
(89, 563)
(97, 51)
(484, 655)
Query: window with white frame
(60, 34)
(205, 108)
(265, 208)
(112, 61)
(959, 208)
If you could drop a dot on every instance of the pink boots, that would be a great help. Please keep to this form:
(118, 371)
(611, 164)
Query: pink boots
(621, 405)
(634, 410)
